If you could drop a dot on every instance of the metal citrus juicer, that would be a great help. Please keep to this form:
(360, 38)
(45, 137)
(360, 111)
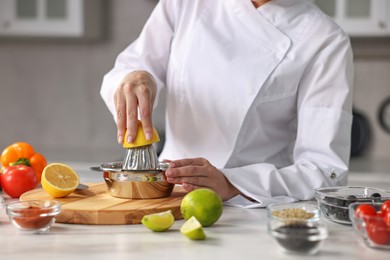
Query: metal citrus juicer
(140, 175)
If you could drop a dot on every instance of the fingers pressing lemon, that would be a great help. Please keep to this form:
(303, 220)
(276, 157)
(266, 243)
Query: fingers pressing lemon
(59, 180)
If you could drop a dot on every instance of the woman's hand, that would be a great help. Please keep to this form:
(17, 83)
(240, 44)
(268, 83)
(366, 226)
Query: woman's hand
(199, 173)
(136, 92)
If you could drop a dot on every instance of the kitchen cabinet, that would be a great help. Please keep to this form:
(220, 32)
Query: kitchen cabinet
(359, 18)
(50, 18)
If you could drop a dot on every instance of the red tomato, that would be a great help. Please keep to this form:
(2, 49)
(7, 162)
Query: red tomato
(18, 179)
(385, 207)
(366, 210)
(385, 212)
(377, 231)
(386, 219)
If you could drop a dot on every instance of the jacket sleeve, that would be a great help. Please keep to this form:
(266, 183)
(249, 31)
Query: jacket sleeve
(149, 52)
(322, 146)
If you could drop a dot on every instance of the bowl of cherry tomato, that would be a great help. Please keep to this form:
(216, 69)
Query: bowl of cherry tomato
(371, 222)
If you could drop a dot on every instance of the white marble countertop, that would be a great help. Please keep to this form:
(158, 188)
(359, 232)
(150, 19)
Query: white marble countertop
(239, 234)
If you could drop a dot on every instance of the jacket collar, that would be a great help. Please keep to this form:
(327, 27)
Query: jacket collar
(254, 22)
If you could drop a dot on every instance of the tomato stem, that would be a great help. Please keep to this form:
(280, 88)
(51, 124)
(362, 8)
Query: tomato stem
(21, 161)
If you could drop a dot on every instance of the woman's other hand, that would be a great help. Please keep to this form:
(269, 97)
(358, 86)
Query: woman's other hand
(199, 173)
(135, 94)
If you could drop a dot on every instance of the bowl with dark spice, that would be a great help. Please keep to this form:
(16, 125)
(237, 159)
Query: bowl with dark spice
(334, 201)
(297, 227)
(35, 216)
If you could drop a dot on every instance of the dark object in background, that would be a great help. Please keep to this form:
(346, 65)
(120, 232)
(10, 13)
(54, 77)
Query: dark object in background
(361, 133)
(384, 115)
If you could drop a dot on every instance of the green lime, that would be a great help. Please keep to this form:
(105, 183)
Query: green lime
(205, 204)
(158, 221)
(193, 229)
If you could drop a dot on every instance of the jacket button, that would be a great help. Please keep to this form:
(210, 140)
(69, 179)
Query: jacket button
(333, 175)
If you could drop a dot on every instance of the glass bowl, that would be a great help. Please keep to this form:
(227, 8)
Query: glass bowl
(297, 227)
(334, 201)
(2, 203)
(35, 216)
(371, 230)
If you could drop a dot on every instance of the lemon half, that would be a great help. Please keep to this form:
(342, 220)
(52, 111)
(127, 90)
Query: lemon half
(140, 139)
(59, 180)
(158, 222)
(193, 229)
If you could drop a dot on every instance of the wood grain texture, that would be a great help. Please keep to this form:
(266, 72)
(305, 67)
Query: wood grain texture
(95, 206)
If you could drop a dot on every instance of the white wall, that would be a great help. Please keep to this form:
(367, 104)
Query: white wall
(49, 90)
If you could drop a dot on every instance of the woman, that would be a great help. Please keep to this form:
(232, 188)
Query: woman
(259, 96)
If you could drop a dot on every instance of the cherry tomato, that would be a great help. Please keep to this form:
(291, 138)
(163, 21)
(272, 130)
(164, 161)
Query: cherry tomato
(385, 213)
(18, 179)
(366, 210)
(377, 231)
(386, 218)
(385, 207)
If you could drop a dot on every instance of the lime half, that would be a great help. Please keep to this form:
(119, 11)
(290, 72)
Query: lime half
(193, 229)
(158, 222)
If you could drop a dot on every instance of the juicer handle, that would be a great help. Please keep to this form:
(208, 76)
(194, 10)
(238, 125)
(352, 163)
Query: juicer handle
(163, 166)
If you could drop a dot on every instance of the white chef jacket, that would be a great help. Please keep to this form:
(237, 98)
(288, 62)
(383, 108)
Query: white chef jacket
(264, 94)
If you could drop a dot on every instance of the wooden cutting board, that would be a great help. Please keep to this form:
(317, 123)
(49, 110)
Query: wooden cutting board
(95, 206)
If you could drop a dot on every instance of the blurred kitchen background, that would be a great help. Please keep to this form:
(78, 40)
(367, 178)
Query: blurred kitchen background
(54, 54)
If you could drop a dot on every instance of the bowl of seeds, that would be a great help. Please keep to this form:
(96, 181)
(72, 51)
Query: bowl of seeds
(297, 227)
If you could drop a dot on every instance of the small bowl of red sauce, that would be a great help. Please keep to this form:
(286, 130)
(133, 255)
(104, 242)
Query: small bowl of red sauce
(35, 216)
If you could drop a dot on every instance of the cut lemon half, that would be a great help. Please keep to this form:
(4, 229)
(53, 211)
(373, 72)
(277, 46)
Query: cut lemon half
(140, 139)
(59, 180)
(159, 222)
(193, 229)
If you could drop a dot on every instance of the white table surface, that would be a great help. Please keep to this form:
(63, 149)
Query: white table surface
(239, 234)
